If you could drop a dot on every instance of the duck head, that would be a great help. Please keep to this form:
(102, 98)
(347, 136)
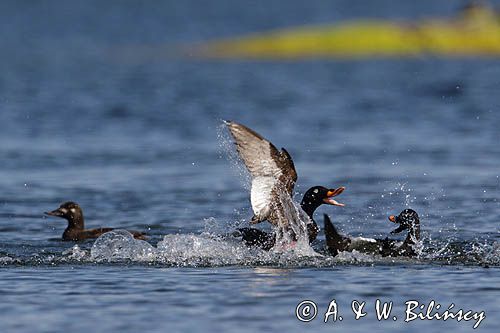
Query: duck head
(315, 197)
(408, 220)
(70, 211)
(319, 195)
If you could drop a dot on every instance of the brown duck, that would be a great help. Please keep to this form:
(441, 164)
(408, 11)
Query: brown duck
(76, 230)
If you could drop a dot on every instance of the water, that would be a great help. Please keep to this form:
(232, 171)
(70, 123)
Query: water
(94, 109)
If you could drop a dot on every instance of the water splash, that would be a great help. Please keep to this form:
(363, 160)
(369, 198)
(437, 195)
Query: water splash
(75, 253)
(208, 250)
(186, 250)
(119, 245)
(5, 260)
(399, 194)
(492, 255)
(227, 150)
(205, 250)
(291, 233)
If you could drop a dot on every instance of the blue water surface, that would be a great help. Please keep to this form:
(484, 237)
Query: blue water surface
(95, 107)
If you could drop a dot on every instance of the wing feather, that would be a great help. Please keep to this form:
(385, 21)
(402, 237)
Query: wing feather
(270, 168)
(261, 157)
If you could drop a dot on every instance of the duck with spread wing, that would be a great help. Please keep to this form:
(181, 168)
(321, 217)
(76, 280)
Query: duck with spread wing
(273, 180)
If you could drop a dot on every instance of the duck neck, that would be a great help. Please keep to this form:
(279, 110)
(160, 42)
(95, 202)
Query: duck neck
(413, 233)
(309, 207)
(75, 221)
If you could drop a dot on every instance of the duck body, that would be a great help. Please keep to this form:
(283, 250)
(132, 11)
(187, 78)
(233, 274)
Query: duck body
(336, 242)
(258, 238)
(73, 234)
(408, 220)
(75, 231)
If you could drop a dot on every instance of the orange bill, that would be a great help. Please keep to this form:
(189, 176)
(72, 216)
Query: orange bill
(333, 193)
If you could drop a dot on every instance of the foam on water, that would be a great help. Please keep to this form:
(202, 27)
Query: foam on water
(186, 250)
(6, 260)
(208, 250)
(193, 250)
(121, 245)
(492, 256)
(75, 253)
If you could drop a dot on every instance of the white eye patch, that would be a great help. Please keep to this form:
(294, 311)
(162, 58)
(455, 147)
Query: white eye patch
(73, 210)
(315, 190)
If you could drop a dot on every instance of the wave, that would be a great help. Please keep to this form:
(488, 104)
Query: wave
(211, 250)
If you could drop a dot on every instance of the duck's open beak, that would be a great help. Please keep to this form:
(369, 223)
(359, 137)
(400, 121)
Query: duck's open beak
(57, 212)
(401, 227)
(333, 193)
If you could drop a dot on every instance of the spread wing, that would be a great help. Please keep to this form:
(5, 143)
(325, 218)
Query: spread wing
(261, 157)
(268, 166)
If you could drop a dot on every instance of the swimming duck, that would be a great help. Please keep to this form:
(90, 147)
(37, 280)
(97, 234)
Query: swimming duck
(312, 199)
(407, 219)
(273, 179)
(76, 231)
